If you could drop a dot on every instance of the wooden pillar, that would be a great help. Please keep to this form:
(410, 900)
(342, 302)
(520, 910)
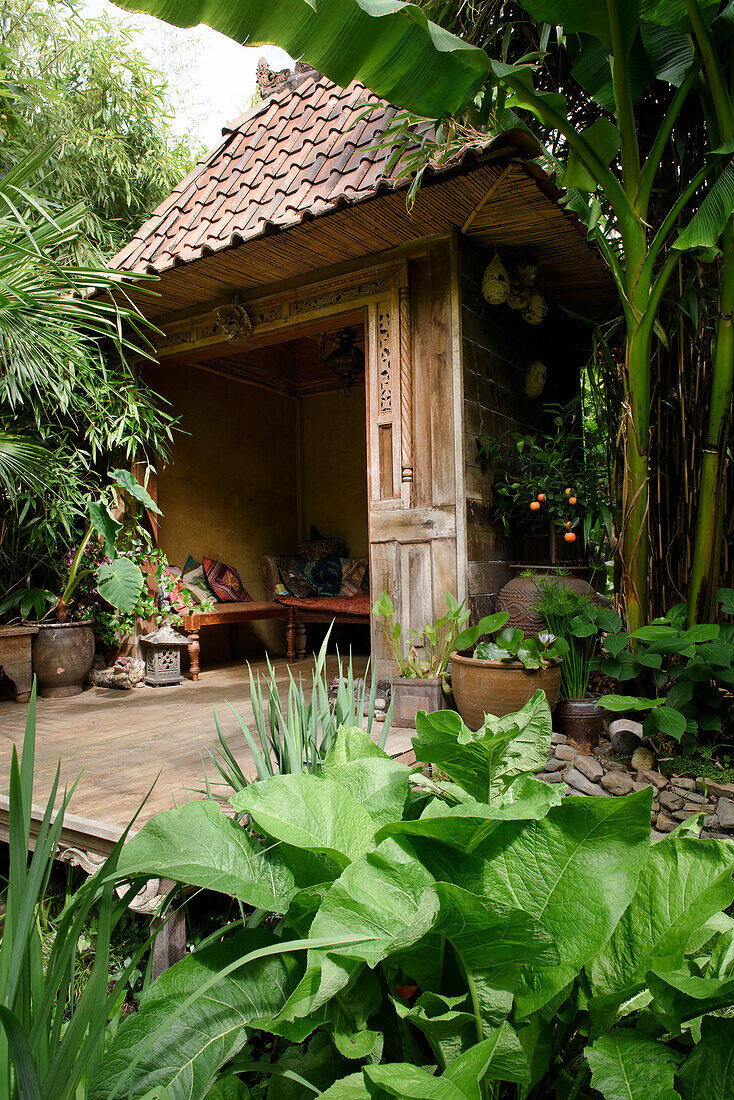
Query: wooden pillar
(406, 395)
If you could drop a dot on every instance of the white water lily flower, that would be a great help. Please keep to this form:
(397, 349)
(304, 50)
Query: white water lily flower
(546, 638)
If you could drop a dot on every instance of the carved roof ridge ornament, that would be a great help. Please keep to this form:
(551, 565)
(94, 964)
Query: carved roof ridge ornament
(269, 81)
(233, 320)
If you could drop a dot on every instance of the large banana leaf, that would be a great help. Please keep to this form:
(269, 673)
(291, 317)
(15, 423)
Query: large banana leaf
(390, 46)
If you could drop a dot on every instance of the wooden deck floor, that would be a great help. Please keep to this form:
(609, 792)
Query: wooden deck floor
(121, 740)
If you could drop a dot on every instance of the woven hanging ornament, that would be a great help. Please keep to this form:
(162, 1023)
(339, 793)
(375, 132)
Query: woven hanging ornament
(535, 379)
(536, 310)
(519, 297)
(496, 282)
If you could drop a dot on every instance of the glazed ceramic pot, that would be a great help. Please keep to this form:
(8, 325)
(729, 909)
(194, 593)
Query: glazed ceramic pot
(411, 694)
(498, 687)
(63, 654)
(580, 719)
(518, 596)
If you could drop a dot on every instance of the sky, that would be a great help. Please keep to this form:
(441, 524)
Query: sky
(211, 78)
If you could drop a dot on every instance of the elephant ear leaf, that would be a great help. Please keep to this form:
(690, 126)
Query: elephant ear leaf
(104, 525)
(119, 583)
(127, 481)
(628, 1065)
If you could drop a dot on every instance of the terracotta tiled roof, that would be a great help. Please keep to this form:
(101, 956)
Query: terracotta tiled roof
(304, 151)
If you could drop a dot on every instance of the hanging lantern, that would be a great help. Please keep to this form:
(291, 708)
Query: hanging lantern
(163, 656)
(496, 282)
(535, 379)
(346, 360)
(536, 310)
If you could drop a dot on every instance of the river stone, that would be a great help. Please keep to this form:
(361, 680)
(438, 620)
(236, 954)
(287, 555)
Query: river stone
(725, 813)
(554, 765)
(582, 784)
(694, 798)
(643, 759)
(658, 781)
(684, 782)
(602, 750)
(617, 783)
(566, 752)
(615, 766)
(669, 800)
(551, 777)
(711, 821)
(625, 736)
(656, 835)
(558, 739)
(719, 790)
(665, 824)
(589, 766)
(683, 815)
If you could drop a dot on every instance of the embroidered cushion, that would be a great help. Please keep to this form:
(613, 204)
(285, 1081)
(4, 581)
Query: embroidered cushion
(325, 575)
(365, 586)
(225, 582)
(194, 580)
(289, 567)
(353, 570)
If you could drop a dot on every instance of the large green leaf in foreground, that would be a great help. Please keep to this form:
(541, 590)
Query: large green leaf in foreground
(708, 1073)
(199, 845)
(186, 1055)
(575, 872)
(628, 1065)
(305, 811)
(390, 46)
(684, 882)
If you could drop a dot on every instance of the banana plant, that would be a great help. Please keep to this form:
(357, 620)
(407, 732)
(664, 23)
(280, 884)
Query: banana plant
(622, 47)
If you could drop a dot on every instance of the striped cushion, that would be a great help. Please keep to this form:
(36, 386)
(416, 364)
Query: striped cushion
(352, 575)
(224, 582)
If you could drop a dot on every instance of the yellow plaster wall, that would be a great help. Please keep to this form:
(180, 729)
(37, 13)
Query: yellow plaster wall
(230, 489)
(335, 467)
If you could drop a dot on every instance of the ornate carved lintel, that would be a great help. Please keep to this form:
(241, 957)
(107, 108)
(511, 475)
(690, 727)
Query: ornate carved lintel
(147, 901)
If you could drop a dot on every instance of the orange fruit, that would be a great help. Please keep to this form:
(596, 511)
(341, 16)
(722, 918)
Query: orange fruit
(572, 500)
(567, 523)
(570, 536)
(534, 505)
(541, 496)
(569, 492)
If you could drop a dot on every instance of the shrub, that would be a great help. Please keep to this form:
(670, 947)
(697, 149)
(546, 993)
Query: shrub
(414, 939)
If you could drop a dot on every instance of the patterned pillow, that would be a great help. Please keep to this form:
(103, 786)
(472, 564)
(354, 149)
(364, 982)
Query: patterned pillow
(289, 567)
(194, 580)
(353, 570)
(325, 575)
(365, 586)
(225, 582)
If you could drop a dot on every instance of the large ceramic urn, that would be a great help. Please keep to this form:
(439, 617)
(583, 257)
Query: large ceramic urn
(520, 594)
(63, 654)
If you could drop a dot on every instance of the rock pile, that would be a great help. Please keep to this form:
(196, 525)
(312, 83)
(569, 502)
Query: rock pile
(591, 772)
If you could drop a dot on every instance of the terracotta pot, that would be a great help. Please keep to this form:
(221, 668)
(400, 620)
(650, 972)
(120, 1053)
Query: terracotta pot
(411, 695)
(498, 687)
(63, 654)
(580, 719)
(518, 596)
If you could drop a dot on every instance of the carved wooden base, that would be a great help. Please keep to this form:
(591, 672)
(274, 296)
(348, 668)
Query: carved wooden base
(194, 649)
(300, 641)
(290, 638)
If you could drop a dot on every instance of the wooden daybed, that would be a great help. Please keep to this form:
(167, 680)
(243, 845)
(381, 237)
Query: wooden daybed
(295, 613)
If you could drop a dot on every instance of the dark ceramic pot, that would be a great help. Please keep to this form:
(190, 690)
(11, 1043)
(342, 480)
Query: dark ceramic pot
(520, 594)
(63, 654)
(580, 719)
(498, 687)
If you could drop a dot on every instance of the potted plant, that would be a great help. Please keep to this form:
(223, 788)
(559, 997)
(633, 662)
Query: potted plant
(501, 676)
(572, 616)
(422, 676)
(63, 649)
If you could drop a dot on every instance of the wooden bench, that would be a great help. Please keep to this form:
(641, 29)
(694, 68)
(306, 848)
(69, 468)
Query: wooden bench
(232, 614)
